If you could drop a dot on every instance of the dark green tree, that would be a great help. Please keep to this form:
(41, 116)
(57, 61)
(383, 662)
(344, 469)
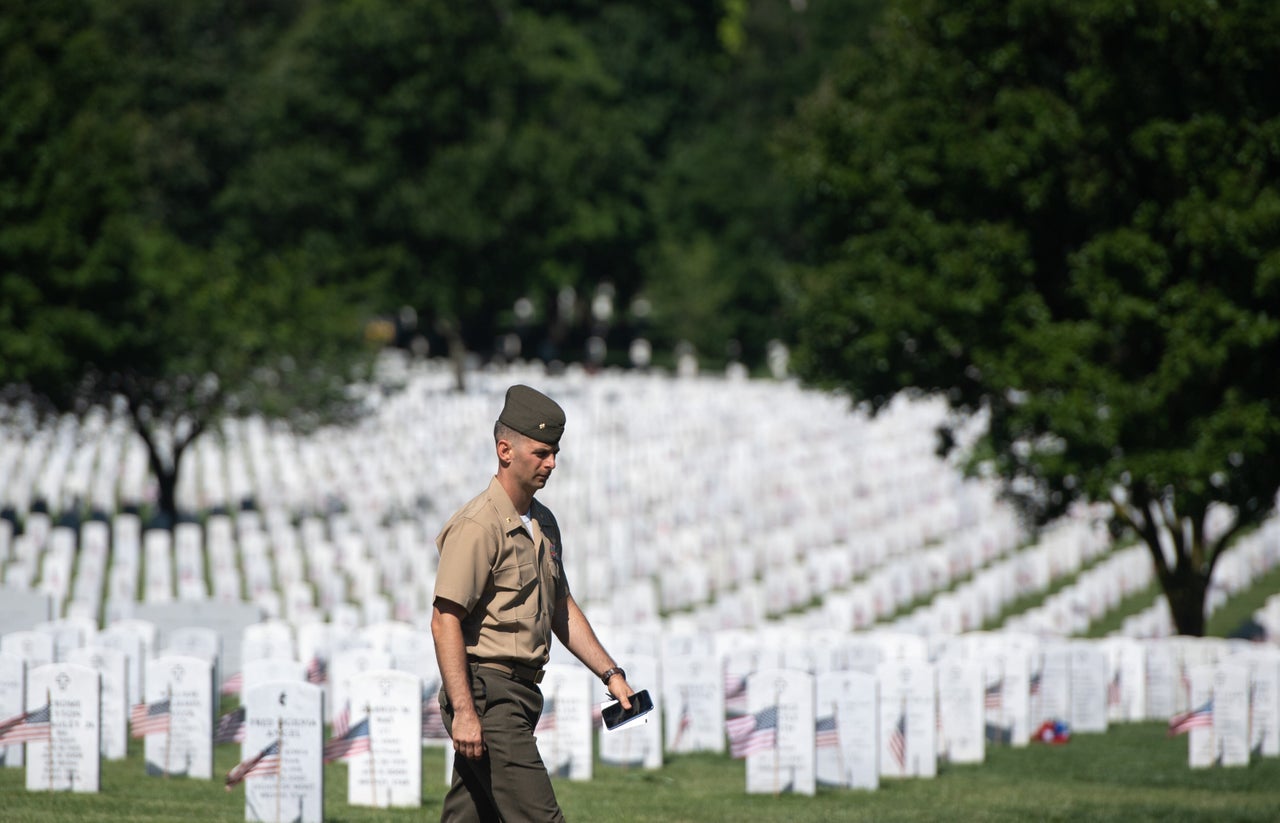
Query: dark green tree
(1066, 217)
(725, 214)
(460, 157)
(117, 279)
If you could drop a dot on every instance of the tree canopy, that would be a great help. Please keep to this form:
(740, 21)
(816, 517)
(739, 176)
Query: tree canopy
(205, 201)
(1065, 217)
(117, 279)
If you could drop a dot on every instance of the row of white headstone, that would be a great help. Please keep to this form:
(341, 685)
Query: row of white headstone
(908, 529)
(289, 570)
(843, 711)
(357, 502)
(893, 497)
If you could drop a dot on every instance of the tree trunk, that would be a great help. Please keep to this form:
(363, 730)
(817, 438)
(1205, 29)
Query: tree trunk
(165, 472)
(457, 358)
(1184, 589)
(167, 504)
(1186, 595)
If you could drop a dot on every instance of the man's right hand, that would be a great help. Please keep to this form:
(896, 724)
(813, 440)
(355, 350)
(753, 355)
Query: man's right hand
(451, 655)
(468, 737)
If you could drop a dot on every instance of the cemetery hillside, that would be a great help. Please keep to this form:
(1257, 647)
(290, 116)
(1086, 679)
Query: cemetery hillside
(918, 362)
(855, 622)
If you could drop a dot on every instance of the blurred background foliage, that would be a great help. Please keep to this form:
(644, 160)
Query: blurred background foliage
(427, 162)
(1063, 217)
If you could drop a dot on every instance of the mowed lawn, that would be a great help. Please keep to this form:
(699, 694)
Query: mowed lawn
(1132, 772)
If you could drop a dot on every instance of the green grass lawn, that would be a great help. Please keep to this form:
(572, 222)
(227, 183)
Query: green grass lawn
(1133, 772)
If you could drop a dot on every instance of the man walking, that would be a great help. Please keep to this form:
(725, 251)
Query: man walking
(500, 594)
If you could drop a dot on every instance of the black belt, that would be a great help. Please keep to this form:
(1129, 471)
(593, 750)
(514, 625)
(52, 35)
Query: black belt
(515, 671)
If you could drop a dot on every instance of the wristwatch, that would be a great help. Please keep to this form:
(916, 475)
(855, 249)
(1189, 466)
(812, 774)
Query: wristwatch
(610, 672)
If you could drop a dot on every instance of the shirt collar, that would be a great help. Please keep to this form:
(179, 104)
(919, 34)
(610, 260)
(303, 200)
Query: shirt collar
(506, 509)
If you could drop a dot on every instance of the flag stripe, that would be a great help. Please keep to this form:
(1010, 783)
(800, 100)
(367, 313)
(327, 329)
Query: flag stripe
(263, 763)
(26, 727)
(355, 741)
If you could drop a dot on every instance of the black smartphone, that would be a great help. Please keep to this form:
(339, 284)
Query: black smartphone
(614, 715)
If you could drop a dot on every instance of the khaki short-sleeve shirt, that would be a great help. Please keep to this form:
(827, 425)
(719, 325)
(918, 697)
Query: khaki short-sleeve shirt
(509, 587)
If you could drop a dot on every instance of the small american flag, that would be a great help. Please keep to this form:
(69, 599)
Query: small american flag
(233, 684)
(263, 763)
(342, 720)
(317, 671)
(685, 722)
(230, 727)
(355, 741)
(1199, 717)
(826, 732)
(149, 718)
(547, 720)
(993, 695)
(752, 732)
(432, 722)
(22, 728)
(1114, 691)
(735, 692)
(898, 743)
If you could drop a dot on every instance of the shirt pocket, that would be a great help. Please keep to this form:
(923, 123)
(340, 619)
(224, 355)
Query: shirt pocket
(515, 592)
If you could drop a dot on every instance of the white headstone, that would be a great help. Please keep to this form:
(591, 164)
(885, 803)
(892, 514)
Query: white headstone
(564, 734)
(194, 641)
(1231, 713)
(693, 700)
(70, 759)
(638, 743)
(1090, 682)
(385, 635)
(861, 654)
(343, 667)
(1051, 694)
(13, 681)
(137, 639)
(389, 774)
(113, 666)
(227, 619)
(1164, 683)
(777, 734)
(961, 710)
(272, 669)
(186, 748)
(1007, 693)
(415, 652)
(1264, 674)
(847, 735)
(291, 713)
(36, 648)
(737, 665)
(908, 719)
(158, 585)
(313, 641)
(1202, 745)
(1126, 679)
(268, 639)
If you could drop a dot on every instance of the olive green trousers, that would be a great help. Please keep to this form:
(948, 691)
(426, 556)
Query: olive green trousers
(509, 784)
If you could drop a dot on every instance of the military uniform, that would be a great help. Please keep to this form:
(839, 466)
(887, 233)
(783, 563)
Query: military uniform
(508, 578)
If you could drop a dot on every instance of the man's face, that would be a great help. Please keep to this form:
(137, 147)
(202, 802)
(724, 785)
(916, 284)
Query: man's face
(532, 462)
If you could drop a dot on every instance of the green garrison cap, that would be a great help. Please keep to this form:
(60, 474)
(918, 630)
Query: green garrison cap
(533, 414)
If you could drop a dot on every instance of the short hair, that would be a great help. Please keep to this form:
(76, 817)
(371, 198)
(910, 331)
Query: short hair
(501, 431)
